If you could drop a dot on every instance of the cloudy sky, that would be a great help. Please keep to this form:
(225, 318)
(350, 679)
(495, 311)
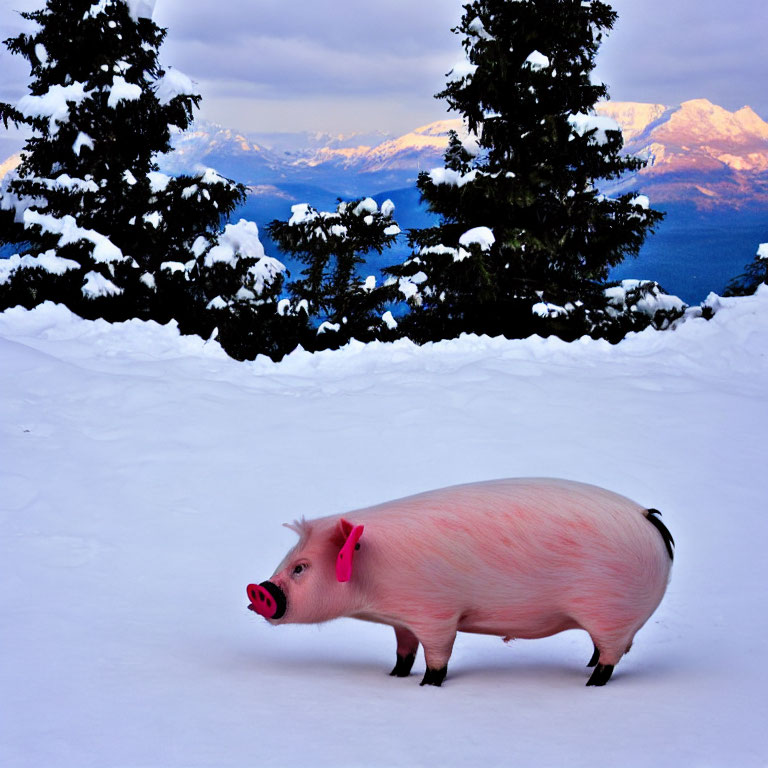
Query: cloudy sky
(347, 65)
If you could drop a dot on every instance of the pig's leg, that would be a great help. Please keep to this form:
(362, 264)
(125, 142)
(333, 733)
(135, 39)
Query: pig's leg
(608, 652)
(407, 645)
(601, 675)
(438, 646)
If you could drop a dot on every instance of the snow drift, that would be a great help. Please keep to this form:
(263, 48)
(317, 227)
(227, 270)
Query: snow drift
(144, 476)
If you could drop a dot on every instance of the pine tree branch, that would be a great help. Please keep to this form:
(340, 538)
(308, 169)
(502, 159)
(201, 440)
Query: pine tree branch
(9, 113)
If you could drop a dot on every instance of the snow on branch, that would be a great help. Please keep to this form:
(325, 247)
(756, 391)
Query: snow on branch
(121, 90)
(583, 125)
(460, 71)
(301, 213)
(476, 29)
(82, 140)
(141, 9)
(537, 61)
(172, 84)
(238, 240)
(241, 241)
(48, 262)
(643, 297)
(53, 104)
(482, 236)
(96, 286)
(452, 178)
(367, 205)
(457, 254)
(104, 250)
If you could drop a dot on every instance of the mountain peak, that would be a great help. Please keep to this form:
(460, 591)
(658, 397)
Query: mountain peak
(441, 127)
(701, 104)
(633, 117)
(697, 151)
(748, 112)
(9, 164)
(701, 121)
(752, 122)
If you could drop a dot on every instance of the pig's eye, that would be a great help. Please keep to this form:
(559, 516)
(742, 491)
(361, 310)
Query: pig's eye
(299, 569)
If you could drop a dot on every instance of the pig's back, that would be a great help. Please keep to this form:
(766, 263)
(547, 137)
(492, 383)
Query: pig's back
(527, 507)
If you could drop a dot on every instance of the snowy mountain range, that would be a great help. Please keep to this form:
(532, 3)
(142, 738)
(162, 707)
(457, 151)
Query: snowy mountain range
(697, 151)
(708, 169)
(382, 161)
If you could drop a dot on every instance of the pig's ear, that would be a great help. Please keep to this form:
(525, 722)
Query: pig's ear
(350, 534)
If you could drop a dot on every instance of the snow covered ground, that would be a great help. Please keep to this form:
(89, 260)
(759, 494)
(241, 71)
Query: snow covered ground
(144, 477)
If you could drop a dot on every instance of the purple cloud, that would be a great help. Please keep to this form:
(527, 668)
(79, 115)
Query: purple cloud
(344, 65)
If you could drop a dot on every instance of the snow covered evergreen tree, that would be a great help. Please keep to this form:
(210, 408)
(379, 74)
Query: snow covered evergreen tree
(755, 274)
(333, 244)
(631, 305)
(105, 232)
(522, 224)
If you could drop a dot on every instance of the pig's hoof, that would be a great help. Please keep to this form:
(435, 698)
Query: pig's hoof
(403, 665)
(595, 658)
(434, 676)
(601, 675)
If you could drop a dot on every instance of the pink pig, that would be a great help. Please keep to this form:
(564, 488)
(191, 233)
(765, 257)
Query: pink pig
(522, 558)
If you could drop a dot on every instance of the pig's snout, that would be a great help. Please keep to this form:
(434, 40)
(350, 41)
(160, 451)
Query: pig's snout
(267, 599)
